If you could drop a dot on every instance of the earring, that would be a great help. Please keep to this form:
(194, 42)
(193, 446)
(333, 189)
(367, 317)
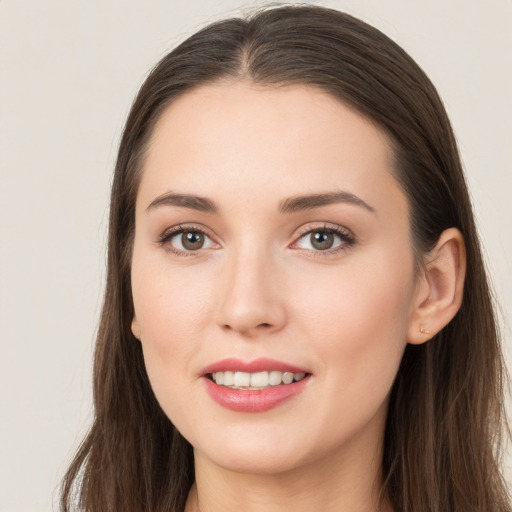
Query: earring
(423, 330)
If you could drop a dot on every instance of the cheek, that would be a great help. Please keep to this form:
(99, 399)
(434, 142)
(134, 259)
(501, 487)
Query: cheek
(169, 304)
(164, 313)
(169, 309)
(357, 317)
(358, 298)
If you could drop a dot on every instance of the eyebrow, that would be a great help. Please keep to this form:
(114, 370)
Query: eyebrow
(198, 203)
(309, 202)
(290, 205)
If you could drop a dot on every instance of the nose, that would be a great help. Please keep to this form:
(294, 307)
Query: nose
(253, 298)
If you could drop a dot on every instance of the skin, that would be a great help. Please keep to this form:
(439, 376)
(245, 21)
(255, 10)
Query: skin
(259, 288)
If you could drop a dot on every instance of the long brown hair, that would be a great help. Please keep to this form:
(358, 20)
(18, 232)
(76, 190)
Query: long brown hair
(446, 414)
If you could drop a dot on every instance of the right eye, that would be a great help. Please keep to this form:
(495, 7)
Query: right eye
(186, 240)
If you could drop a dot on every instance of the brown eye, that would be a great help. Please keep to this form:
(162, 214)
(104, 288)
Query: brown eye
(192, 240)
(322, 240)
(325, 239)
(182, 241)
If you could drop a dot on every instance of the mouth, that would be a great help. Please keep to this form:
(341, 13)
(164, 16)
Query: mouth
(255, 381)
(255, 386)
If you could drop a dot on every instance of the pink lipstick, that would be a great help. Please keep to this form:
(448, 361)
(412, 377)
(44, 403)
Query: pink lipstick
(254, 386)
(258, 365)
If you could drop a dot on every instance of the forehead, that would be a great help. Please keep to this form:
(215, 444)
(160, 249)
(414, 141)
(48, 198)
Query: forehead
(232, 137)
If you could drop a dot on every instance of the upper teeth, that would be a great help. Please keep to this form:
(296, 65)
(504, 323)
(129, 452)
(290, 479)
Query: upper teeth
(255, 380)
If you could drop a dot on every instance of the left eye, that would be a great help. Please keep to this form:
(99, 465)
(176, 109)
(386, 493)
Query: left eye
(322, 240)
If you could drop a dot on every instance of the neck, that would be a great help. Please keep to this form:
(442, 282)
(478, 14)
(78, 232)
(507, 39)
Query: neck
(341, 482)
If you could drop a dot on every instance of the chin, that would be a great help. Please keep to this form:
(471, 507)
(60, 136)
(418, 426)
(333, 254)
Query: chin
(254, 462)
(256, 455)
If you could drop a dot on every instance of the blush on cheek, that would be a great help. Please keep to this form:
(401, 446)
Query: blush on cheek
(361, 321)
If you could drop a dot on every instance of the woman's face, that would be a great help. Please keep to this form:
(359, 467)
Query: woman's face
(271, 236)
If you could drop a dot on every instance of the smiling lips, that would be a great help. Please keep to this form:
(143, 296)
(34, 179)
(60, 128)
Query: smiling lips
(259, 380)
(256, 386)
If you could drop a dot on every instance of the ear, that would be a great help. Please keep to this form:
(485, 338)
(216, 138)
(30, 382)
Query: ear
(135, 327)
(440, 286)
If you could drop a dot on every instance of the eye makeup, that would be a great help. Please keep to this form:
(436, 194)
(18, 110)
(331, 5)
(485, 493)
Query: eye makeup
(324, 240)
(186, 240)
(192, 240)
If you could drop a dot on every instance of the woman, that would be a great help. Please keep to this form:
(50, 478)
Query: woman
(297, 314)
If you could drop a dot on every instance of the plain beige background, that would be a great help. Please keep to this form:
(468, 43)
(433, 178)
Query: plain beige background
(68, 73)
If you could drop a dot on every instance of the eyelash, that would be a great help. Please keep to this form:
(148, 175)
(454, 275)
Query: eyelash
(346, 237)
(176, 230)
